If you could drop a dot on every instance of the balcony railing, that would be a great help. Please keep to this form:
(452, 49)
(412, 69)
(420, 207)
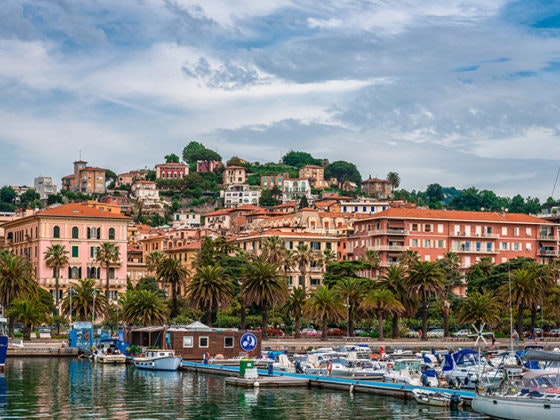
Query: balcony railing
(397, 248)
(547, 252)
(547, 236)
(474, 251)
(474, 235)
(388, 232)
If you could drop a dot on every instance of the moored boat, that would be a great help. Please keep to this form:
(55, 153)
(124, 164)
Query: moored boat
(158, 360)
(3, 344)
(536, 396)
(108, 355)
(437, 398)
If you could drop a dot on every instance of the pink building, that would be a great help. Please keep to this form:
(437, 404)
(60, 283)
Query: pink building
(171, 170)
(81, 230)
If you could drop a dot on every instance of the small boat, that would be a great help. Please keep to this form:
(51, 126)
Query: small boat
(437, 398)
(411, 371)
(158, 360)
(108, 355)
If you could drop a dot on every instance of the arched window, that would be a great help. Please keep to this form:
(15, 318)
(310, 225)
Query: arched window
(111, 233)
(56, 232)
(75, 232)
(111, 273)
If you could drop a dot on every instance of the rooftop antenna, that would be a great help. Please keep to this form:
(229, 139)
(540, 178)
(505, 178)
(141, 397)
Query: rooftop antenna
(555, 182)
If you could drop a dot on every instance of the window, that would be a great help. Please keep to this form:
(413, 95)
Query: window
(488, 246)
(503, 246)
(203, 342)
(427, 243)
(316, 246)
(414, 243)
(188, 342)
(477, 245)
(504, 231)
(440, 243)
(516, 231)
(516, 246)
(440, 228)
(528, 247)
(75, 252)
(56, 232)
(112, 233)
(427, 228)
(414, 227)
(111, 273)
(228, 342)
(328, 245)
(528, 231)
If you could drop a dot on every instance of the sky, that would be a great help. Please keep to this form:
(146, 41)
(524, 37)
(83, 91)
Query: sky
(462, 93)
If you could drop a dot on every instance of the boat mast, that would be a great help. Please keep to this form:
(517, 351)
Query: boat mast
(510, 311)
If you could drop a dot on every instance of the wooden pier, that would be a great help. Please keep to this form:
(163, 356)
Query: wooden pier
(283, 379)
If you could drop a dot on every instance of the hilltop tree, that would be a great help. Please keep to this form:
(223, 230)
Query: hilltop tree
(300, 159)
(343, 171)
(195, 151)
(171, 158)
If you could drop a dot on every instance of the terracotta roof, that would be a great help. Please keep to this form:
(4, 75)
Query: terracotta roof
(460, 215)
(235, 167)
(79, 210)
(282, 233)
(325, 203)
(221, 212)
(193, 245)
(376, 180)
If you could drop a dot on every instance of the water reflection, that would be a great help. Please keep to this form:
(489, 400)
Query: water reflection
(77, 389)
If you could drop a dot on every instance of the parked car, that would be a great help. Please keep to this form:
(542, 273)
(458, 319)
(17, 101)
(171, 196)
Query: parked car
(437, 333)
(338, 332)
(310, 332)
(461, 333)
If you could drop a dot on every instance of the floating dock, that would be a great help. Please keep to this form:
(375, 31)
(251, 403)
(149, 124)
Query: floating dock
(283, 379)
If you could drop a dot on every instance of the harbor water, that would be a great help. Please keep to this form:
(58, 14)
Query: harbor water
(77, 389)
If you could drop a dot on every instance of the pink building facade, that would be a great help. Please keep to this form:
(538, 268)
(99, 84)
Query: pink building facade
(81, 230)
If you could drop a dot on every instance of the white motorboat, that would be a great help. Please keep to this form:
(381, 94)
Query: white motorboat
(464, 369)
(108, 355)
(158, 360)
(409, 372)
(437, 398)
(536, 397)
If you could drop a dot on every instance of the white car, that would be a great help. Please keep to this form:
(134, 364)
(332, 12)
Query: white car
(461, 333)
(437, 333)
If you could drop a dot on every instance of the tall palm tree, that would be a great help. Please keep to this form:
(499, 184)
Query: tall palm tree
(326, 257)
(303, 257)
(264, 285)
(56, 257)
(107, 254)
(80, 302)
(382, 302)
(408, 258)
(273, 250)
(394, 179)
(373, 259)
(324, 305)
(153, 260)
(210, 288)
(395, 280)
(30, 312)
(478, 308)
(426, 280)
(351, 290)
(16, 281)
(543, 283)
(171, 271)
(450, 264)
(294, 306)
(523, 292)
(143, 307)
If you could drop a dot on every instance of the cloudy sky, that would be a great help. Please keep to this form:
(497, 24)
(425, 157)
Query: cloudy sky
(457, 92)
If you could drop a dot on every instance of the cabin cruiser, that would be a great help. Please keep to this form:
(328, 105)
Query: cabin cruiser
(465, 369)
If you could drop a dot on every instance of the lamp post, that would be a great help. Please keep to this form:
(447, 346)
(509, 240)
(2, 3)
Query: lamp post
(70, 295)
(348, 317)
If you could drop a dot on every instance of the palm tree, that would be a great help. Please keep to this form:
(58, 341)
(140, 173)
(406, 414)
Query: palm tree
(523, 292)
(394, 179)
(30, 312)
(153, 260)
(107, 254)
(210, 288)
(450, 265)
(273, 250)
(326, 257)
(294, 306)
(351, 290)
(408, 258)
(303, 257)
(144, 307)
(382, 302)
(56, 257)
(324, 305)
(16, 281)
(80, 302)
(543, 283)
(264, 285)
(395, 280)
(171, 271)
(478, 308)
(373, 259)
(426, 279)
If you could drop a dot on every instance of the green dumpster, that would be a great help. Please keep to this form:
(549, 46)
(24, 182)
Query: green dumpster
(245, 364)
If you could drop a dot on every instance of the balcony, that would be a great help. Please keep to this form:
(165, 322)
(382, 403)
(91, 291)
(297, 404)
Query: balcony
(547, 253)
(474, 235)
(394, 248)
(547, 236)
(474, 251)
(384, 232)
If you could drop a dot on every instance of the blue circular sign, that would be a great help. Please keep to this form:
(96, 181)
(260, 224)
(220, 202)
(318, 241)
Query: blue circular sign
(248, 342)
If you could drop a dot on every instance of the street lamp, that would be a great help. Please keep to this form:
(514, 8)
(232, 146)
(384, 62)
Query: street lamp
(348, 317)
(70, 295)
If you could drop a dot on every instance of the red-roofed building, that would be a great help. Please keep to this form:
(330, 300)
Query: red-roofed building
(80, 229)
(234, 175)
(171, 170)
(500, 236)
(85, 179)
(378, 188)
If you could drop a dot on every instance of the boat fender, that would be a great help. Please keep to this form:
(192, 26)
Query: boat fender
(351, 389)
(329, 367)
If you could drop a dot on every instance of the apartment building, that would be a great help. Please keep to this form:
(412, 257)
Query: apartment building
(500, 236)
(293, 189)
(44, 186)
(236, 195)
(171, 170)
(80, 229)
(378, 188)
(268, 182)
(315, 174)
(234, 175)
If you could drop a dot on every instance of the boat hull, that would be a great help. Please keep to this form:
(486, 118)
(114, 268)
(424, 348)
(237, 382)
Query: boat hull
(162, 363)
(110, 359)
(3, 351)
(512, 408)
